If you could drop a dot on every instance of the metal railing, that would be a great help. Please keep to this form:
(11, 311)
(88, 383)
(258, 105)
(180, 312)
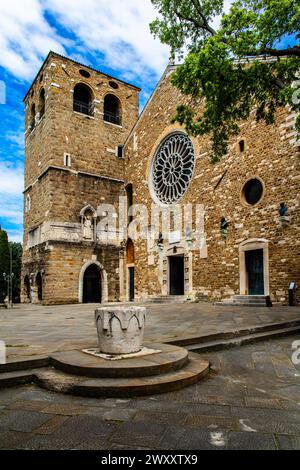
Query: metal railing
(83, 108)
(112, 118)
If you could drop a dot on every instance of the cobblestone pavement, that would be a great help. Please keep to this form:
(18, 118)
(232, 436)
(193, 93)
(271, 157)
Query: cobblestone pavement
(251, 400)
(33, 329)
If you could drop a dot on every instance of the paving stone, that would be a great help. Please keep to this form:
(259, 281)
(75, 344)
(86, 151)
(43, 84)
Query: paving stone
(263, 402)
(204, 409)
(23, 421)
(177, 419)
(117, 415)
(67, 409)
(200, 439)
(119, 447)
(139, 434)
(212, 422)
(171, 439)
(27, 405)
(63, 443)
(10, 440)
(52, 425)
(251, 441)
(288, 442)
(86, 427)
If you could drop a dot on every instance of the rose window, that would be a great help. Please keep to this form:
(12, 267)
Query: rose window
(173, 168)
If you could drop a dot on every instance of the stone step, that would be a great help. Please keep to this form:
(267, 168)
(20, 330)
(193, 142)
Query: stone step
(168, 299)
(248, 297)
(61, 382)
(31, 362)
(236, 334)
(245, 301)
(241, 340)
(171, 358)
(12, 379)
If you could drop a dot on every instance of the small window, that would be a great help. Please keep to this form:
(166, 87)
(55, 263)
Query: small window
(113, 85)
(42, 103)
(32, 118)
(253, 191)
(67, 160)
(83, 100)
(242, 146)
(27, 203)
(120, 151)
(112, 109)
(84, 73)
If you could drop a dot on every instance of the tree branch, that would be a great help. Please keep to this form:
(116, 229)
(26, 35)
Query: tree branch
(204, 19)
(291, 51)
(196, 23)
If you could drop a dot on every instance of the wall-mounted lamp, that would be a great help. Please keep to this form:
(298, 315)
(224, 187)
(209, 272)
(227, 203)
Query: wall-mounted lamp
(283, 214)
(160, 242)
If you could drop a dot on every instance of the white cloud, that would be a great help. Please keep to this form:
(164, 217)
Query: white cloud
(16, 137)
(118, 29)
(25, 37)
(11, 199)
(11, 181)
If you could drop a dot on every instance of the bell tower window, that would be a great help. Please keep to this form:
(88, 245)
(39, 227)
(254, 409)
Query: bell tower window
(112, 110)
(83, 100)
(42, 103)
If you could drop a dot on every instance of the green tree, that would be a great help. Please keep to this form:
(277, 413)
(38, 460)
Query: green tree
(4, 263)
(17, 251)
(243, 65)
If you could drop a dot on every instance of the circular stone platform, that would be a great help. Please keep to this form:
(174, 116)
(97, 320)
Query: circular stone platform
(169, 358)
(78, 373)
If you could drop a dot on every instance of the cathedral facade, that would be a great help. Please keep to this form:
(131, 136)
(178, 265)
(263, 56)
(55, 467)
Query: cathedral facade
(121, 207)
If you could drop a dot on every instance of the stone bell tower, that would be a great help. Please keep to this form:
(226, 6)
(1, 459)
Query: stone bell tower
(77, 120)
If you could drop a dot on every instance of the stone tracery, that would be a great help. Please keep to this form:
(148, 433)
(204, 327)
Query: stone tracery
(173, 168)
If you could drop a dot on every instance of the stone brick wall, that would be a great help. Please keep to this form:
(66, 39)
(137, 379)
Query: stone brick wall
(61, 265)
(96, 174)
(271, 154)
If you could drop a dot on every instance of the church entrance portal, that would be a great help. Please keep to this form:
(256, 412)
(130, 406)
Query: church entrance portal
(176, 275)
(92, 285)
(255, 272)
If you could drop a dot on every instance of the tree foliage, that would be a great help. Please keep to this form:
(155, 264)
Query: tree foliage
(4, 263)
(247, 63)
(17, 251)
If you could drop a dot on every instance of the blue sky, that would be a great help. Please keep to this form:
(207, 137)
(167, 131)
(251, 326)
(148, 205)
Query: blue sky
(100, 33)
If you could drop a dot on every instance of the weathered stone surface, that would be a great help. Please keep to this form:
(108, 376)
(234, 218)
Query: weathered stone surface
(120, 330)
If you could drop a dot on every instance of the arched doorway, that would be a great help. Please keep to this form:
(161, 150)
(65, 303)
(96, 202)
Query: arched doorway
(39, 286)
(27, 289)
(92, 285)
(130, 270)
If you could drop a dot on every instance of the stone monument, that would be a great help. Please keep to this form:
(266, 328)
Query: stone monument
(120, 330)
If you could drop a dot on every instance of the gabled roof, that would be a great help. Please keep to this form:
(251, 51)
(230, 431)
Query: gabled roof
(168, 69)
